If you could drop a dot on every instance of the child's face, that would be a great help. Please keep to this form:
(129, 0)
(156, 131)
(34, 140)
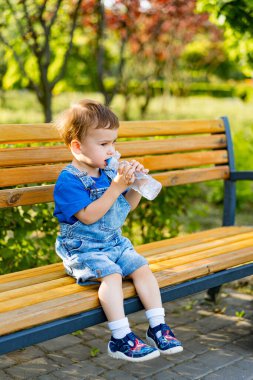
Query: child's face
(97, 146)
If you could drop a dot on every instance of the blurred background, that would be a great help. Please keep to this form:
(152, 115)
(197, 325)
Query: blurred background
(146, 59)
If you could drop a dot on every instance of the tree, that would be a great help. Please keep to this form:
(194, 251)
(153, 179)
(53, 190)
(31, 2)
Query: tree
(39, 35)
(111, 27)
(139, 41)
(239, 14)
(236, 20)
(164, 30)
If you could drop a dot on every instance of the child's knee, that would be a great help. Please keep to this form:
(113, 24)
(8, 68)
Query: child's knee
(112, 278)
(142, 271)
(111, 284)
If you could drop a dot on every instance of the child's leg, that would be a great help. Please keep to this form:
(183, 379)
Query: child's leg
(148, 290)
(123, 344)
(147, 287)
(159, 334)
(111, 297)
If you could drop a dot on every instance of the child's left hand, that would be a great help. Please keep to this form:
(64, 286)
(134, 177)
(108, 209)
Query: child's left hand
(138, 167)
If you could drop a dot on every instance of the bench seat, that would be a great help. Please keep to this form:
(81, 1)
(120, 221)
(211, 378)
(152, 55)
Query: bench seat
(44, 294)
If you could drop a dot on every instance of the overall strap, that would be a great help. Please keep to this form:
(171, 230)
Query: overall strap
(110, 173)
(86, 180)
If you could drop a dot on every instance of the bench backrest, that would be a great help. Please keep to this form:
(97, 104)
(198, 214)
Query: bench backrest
(176, 152)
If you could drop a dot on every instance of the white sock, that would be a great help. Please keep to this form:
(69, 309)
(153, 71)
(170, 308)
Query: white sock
(120, 328)
(155, 316)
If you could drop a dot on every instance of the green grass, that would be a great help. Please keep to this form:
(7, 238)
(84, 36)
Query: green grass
(23, 107)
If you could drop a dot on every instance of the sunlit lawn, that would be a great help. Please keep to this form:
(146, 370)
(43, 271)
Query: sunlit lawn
(22, 107)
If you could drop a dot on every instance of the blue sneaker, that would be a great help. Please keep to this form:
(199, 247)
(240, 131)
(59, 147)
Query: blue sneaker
(166, 342)
(131, 348)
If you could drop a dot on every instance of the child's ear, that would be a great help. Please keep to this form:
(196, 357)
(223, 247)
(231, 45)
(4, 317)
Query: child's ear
(75, 146)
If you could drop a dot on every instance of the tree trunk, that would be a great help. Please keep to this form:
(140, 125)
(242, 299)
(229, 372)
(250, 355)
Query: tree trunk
(144, 106)
(48, 108)
(125, 110)
(46, 104)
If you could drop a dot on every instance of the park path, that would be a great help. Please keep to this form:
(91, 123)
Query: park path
(218, 345)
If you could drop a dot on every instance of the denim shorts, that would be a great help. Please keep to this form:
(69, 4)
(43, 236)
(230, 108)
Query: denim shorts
(85, 263)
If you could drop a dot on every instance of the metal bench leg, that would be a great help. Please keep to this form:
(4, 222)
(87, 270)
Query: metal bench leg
(212, 294)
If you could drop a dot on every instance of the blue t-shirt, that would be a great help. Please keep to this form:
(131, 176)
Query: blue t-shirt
(70, 196)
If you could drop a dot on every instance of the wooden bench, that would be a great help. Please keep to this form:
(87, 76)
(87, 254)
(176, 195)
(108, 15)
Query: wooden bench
(43, 303)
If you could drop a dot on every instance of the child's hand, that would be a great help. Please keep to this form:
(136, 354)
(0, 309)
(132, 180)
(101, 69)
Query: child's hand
(125, 176)
(138, 167)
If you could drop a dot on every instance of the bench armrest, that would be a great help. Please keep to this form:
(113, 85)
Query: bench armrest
(242, 175)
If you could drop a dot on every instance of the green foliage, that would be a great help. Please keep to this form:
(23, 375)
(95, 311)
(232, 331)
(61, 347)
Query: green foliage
(235, 18)
(240, 314)
(216, 89)
(209, 58)
(94, 351)
(27, 237)
(77, 333)
(159, 219)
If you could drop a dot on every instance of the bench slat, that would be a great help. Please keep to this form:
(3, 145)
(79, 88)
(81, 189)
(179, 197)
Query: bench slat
(33, 280)
(188, 176)
(39, 297)
(36, 288)
(19, 133)
(206, 266)
(157, 247)
(72, 304)
(38, 155)
(28, 277)
(53, 154)
(44, 193)
(184, 160)
(173, 145)
(30, 272)
(30, 174)
(26, 196)
(169, 127)
(194, 257)
(167, 253)
(49, 173)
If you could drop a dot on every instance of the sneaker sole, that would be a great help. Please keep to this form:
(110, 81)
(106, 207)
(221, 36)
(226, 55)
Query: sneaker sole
(170, 351)
(120, 355)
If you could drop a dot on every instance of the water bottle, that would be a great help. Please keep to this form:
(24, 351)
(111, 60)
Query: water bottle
(146, 185)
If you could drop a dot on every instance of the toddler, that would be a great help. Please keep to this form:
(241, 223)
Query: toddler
(91, 203)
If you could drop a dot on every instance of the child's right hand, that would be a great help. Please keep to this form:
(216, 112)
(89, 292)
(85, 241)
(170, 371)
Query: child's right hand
(125, 176)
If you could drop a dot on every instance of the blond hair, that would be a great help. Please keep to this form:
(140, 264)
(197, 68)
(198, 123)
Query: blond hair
(75, 121)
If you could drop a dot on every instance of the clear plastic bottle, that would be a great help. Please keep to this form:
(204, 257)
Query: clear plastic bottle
(146, 185)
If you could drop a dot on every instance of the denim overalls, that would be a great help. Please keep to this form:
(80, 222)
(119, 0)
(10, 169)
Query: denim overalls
(97, 250)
